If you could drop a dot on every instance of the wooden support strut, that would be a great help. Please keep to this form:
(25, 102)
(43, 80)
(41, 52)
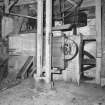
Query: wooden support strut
(20, 15)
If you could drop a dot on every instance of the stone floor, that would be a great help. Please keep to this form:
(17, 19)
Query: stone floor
(64, 93)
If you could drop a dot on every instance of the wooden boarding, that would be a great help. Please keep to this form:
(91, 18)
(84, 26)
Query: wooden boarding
(23, 44)
(88, 3)
(73, 71)
(57, 52)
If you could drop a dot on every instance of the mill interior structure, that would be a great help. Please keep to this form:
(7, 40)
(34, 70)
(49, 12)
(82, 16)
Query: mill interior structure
(52, 52)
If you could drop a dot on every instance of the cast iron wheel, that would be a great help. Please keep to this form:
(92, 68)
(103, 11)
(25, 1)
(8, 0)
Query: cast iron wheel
(70, 49)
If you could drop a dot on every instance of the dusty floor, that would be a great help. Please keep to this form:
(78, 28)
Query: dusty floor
(63, 94)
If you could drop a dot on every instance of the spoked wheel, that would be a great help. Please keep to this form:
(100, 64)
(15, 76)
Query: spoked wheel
(70, 49)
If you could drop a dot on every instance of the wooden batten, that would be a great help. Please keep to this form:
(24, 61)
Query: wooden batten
(48, 40)
(98, 41)
(39, 37)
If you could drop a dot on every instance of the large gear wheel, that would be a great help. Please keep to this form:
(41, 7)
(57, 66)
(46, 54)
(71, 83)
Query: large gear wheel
(70, 49)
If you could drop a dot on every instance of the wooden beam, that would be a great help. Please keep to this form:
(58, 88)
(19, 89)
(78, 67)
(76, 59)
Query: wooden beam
(98, 41)
(20, 15)
(25, 2)
(48, 40)
(62, 27)
(39, 37)
(88, 3)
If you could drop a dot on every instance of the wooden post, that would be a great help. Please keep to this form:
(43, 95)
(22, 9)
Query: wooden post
(6, 2)
(48, 40)
(39, 37)
(98, 41)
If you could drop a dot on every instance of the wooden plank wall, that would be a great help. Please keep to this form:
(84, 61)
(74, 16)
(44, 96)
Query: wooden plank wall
(23, 44)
